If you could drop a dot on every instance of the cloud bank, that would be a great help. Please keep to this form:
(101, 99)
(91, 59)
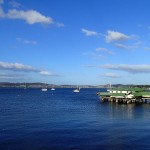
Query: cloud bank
(128, 68)
(24, 68)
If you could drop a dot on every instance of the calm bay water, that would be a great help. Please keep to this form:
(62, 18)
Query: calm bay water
(34, 120)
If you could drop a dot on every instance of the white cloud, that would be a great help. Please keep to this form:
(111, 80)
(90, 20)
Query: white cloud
(26, 41)
(14, 4)
(30, 16)
(95, 55)
(59, 24)
(147, 48)
(30, 42)
(45, 73)
(89, 33)
(101, 49)
(89, 66)
(125, 46)
(128, 68)
(113, 36)
(24, 68)
(111, 75)
(2, 14)
(11, 76)
(17, 67)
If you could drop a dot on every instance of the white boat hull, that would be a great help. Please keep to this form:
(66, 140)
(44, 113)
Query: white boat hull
(44, 90)
(76, 91)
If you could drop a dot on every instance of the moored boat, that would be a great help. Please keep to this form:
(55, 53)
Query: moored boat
(44, 89)
(76, 90)
(52, 89)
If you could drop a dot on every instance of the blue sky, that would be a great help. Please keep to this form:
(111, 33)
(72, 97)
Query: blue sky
(68, 41)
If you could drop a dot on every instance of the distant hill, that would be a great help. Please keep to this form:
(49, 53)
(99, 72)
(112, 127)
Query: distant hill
(40, 85)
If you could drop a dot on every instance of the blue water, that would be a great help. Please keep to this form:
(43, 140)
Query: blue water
(34, 120)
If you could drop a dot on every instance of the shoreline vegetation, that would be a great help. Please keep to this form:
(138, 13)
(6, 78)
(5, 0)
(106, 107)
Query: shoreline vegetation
(40, 85)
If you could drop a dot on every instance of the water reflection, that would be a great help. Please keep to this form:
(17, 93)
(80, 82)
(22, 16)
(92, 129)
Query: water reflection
(130, 111)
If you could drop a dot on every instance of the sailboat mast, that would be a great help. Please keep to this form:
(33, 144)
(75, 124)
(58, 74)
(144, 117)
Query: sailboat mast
(110, 86)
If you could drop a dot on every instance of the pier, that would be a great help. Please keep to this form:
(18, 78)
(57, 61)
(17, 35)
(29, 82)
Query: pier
(125, 95)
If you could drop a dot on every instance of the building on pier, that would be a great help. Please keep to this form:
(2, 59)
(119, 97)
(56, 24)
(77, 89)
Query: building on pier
(125, 95)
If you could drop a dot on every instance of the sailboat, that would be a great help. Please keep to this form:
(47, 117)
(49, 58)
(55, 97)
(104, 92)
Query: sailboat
(77, 90)
(25, 86)
(109, 87)
(53, 89)
(44, 89)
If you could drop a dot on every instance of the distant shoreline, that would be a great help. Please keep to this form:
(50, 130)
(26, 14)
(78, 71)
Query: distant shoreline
(40, 85)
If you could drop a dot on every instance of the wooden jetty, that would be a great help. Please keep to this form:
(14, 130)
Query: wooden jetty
(125, 95)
